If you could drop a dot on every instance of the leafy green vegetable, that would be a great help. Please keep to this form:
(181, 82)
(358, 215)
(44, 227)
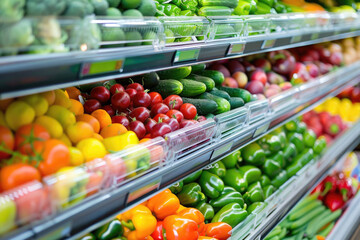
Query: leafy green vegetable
(45, 7)
(16, 35)
(11, 10)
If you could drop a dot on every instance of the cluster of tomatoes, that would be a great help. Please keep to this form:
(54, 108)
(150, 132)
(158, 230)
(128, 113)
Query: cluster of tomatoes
(146, 114)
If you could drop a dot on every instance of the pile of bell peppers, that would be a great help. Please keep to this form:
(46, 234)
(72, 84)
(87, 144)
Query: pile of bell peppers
(161, 217)
(232, 188)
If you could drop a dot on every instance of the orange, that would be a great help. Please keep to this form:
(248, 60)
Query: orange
(76, 107)
(313, 7)
(49, 96)
(90, 120)
(79, 131)
(73, 92)
(5, 103)
(113, 130)
(98, 136)
(144, 140)
(103, 117)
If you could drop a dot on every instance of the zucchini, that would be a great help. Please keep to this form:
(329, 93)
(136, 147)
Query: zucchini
(223, 104)
(220, 93)
(198, 68)
(175, 73)
(192, 88)
(168, 87)
(236, 102)
(148, 80)
(237, 92)
(214, 11)
(226, 3)
(204, 107)
(217, 76)
(210, 84)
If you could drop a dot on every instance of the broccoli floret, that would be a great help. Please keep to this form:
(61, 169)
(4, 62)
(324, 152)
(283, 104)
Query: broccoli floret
(78, 8)
(100, 7)
(47, 31)
(85, 36)
(11, 10)
(16, 35)
(45, 7)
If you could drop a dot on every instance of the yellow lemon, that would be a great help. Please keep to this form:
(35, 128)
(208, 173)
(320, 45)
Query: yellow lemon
(62, 115)
(76, 156)
(19, 113)
(51, 124)
(62, 99)
(37, 102)
(91, 148)
(79, 131)
(65, 139)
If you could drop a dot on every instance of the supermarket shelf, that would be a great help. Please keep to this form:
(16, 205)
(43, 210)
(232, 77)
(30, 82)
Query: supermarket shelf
(27, 74)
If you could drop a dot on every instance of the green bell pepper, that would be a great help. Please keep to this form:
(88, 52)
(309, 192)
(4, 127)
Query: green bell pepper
(298, 140)
(250, 173)
(177, 187)
(309, 138)
(280, 179)
(254, 194)
(231, 160)
(187, 13)
(235, 179)
(301, 128)
(243, 8)
(191, 195)
(231, 214)
(265, 181)
(159, 10)
(268, 191)
(218, 169)
(206, 209)
(187, 4)
(88, 236)
(253, 6)
(211, 184)
(253, 154)
(171, 10)
(280, 7)
(279, 158)
(110, 230)
(309, 155)
(319, 145)
(226, 198)
(271, 168)
(254, 206)
(282, 138)
(270, 3)
(299, 161)
(262, 8)
(289, 152)
(292, 125)
(192, 177)
(270, 143)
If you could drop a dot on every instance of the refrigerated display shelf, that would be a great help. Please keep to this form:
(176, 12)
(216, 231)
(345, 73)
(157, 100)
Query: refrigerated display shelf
(227, 133)
(27, 74)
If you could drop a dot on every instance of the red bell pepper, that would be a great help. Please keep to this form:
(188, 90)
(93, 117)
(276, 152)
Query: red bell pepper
(345, 188)
(219, 230)
(178, 228)
(318, 190)
(158, 234)
(334, 201)
(330, 183)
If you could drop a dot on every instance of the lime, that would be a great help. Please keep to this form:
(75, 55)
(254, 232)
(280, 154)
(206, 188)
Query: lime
(130, 4)
(113, 12)
(148, 8)
(150, 36)
(133, 38)
(114, 3)
(133, 13)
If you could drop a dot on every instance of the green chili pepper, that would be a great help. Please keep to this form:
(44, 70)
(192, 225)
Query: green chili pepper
(254, 194)
(226, 198)
(301, 128)
(177, 187)
(231, 160)
(271, 168)
(280, 179)
(88, 236)
(110, 230)
(253, 154)
(265, 181)
(268, 191)
(211, 184)
(279, 158)
(297, 139)
(191, 195)
(243, 8)
(250, 173)
(235, 179)
(254, 206)
(270, 143)
(171, 10)
(319, 145)
(289, 152)
(231, 214)
(207, 210)
(309, 138)
(218, 169)
(291, 126)
(192, 177)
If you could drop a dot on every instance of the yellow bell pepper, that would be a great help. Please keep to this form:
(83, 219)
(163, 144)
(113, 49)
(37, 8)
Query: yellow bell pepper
(117, 143)
(332, 105)
(345, 109)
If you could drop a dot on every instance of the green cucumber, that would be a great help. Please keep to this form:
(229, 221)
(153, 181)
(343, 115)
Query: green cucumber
(307, 217)
(311, 230)
(175, 73)
(237, 92)
(220, 93)
(198, 68)
(192, 88)
(214, 11)
(210, 84)
(210, 115)
(223, 104)
(304, 210)
(168, 87)
(236, 102)
(226, 3)
(204, 107)
(148, 80)
(217, 76)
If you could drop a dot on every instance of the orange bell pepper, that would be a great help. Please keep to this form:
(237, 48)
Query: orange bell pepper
(164, 204)
(219, 230)
(207, 238)
(193, 214)
(180, 208)
(179, 228)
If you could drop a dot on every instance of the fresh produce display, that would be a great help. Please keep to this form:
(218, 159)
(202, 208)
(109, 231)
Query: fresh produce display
(353, 93)
(321, 5)
(161, 217)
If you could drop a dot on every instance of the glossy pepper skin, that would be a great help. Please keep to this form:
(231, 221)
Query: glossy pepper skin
(235, 179)
(280, 179)
(319, 145)
(231, 214)
(227, 197)
(231, 160)
(270, 3)
(206, 209)
(291, 126)
(187, 4)
(279, 158)
(210, 184)
(250, 173)
(334, 201)
(270, 143)
(177, 187)
(218, 230)
(298, 140)
(171, 10)
(179, 228)
(254, 194)
(158, 232)
(192, 177)
(271, 168)
(193, 214)
(309, 138)
(218, 169)
(191, 195)
(265, 181)
(254, 206)
(289, 152)
(88, 236)
(345, 188)
(243, 8)
(163, 204)
(253, 154)
(268, 191)
(110, 230)
(301, 128)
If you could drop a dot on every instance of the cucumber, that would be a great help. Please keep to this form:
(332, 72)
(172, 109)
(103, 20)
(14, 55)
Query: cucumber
(236, 102)
(175, 73)
(214, 11)
(237, 92)
(198, 68)
(226, 3)
(305, 210)
(220, 93)
(210, 84)
(311, 230)
(148, 80)
(210, 115)
(223, 104)
(204, 107)
(168, 87)
(307, 217)
(192, 88)
(217, 76)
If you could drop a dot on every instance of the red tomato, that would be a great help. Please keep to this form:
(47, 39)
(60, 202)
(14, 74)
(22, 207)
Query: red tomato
(161, 116)
(122, 119)
(120, 100)
(132, 92)
(149, 124)
(116, 88)
(187, 123)
(138, 128)
(91, 105)
(142, 99)
(28, 136)
(159, 108)
(100, 93)
(173, 113)
(136, 86)
(188, 110)
(17, 174)
(155, 98)
(7, 141)
(109, 110)
(173, 102)
(173, 123)
(140, 113)
(160, 130)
